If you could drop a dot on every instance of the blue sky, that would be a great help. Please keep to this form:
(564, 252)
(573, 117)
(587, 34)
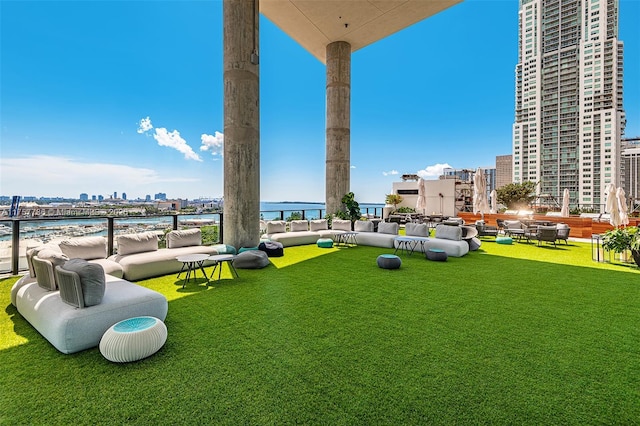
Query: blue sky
(80, 79)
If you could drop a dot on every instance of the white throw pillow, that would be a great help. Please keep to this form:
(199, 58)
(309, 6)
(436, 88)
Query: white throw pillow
(276, 226)
(298, 225)
(388, 228)
(318, 224)
(363, 226)
(341, 225)
(86, 248)
(184, 238)
(137, 243)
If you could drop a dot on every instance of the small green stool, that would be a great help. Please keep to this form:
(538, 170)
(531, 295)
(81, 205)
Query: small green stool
(325, 243)
(504, 240)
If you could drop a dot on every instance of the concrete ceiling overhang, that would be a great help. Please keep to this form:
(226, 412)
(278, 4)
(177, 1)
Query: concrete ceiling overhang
(316, 23)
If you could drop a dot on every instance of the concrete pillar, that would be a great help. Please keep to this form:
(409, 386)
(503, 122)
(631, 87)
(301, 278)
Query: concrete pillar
(241, 123)
(338, 161)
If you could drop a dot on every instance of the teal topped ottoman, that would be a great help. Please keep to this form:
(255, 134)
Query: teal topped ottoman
(436, 254)
(504, 240)
(325, 243)
(389, 261)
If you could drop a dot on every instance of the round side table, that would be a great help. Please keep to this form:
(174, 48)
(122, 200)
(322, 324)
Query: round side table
(133, 339)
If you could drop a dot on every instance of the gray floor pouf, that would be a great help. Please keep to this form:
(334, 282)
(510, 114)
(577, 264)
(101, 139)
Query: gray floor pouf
(251, 259)
(389, 261)
(474, 243)
(436, 254)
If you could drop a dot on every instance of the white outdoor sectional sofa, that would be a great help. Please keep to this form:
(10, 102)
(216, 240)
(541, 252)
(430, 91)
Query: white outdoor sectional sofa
(72, 328)
(303, 232)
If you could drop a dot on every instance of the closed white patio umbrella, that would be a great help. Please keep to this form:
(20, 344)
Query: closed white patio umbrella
(421, 203)
(612, 205)
(494, 202)
(621, 198)
(480, 204)
(564, 212)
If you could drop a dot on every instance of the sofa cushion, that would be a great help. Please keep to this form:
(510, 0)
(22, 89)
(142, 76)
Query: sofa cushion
(45, 276)
(85, 248)
(341, 224)
(363, 226)
(92, 281)
(449, 232)
(34, 252)
(137, 243)
(184, 238)
(318, 224)
(276, 226)
(416, 230)
(55, 257)
(388, 228)
(298, 225)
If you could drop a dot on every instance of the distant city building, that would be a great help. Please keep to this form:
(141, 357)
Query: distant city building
(100, 198)
(84, 197)
(124, 195)
(147, 197)
(569, 116)
(115, 195)
(93, 198)
(504, 170)
(630, 166)
(161, 196)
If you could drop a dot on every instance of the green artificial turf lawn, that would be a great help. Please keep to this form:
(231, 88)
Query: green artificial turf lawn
(509, 334)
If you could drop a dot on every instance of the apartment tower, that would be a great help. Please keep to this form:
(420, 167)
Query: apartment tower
(569, 117)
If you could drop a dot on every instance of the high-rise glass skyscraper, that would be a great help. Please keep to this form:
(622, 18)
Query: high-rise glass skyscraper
(569, 117)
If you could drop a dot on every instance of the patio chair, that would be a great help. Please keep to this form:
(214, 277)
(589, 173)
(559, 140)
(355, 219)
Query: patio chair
(500, 223)
(514, 228)
(547, 234)
(531, 232)
(486, 230)
(563, 232)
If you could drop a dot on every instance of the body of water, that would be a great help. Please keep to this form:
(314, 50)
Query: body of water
(50, 229)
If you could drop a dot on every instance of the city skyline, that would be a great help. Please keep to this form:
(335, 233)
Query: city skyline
(86, 106)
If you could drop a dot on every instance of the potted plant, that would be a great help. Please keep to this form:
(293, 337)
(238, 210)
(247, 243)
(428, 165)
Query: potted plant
(393, 199)
(620, 240)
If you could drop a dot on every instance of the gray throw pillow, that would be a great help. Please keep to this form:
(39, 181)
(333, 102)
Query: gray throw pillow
(91, 279)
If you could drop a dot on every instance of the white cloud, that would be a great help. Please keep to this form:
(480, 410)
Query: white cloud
(175, 141)
(353, 167)
(432, 171)
(214, 142)
(145, 125)
(62, 176)
(390, 173)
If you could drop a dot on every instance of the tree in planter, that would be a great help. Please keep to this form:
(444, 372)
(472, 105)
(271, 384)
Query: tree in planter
(620, 240)
(351, 208)
(394, 199)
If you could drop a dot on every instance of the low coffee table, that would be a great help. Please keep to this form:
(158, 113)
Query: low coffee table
(408, 244)
(192, 262)
(347, 239)
(219, 260)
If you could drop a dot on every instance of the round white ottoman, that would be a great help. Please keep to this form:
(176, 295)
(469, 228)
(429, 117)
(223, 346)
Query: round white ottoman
(133, 339)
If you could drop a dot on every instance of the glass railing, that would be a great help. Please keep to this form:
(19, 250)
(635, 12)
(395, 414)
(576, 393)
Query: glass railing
(17, 235)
